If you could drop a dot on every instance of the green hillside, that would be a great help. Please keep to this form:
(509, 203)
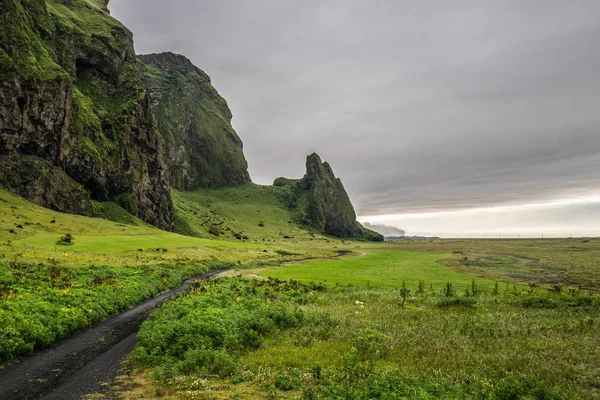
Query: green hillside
(250, 212)
(77, 124)
(32, 233)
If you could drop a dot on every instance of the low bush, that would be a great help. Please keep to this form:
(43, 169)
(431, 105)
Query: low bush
(203, 332)
(44, 303)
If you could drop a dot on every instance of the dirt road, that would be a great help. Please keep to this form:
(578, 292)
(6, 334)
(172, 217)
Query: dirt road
(78, 365)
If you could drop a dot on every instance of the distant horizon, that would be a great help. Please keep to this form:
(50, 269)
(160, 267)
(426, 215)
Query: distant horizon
(558, 218)
(490, 237)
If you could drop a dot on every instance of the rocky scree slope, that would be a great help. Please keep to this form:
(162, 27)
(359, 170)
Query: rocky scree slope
(203, 150)
(321, 202)
(75, 120)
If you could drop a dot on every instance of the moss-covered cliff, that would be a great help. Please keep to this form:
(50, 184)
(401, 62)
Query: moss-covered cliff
(321, 202)
(73, 112)
(202, 148)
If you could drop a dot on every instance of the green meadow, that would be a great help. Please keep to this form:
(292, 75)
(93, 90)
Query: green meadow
(302, 315)
(386, 268)
(124, 242)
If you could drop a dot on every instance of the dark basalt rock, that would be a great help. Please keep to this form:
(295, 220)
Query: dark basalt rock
(322, 202)
(203, 150)
(71, 97)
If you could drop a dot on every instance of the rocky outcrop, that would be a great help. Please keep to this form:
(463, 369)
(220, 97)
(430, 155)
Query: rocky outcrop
(322, 202)
(42, 183)
(75, 121)
(203, 150)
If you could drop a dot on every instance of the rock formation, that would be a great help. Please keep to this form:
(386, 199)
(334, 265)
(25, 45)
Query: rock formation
(322, 202)
(202, 148)
(75, 121)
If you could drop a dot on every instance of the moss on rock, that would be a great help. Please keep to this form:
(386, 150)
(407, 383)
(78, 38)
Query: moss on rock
(203, 150)
(70, 94)
(321, 202)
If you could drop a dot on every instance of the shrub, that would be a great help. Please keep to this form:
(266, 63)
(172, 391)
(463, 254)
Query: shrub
(203, 332)
(66, 240)
(457, 302)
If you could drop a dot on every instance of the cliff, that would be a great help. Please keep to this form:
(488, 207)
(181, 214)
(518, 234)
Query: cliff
(322, 202)
(75, 120)
(203, 150)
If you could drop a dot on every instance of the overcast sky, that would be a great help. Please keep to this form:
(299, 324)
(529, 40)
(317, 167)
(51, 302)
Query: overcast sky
(419, 106)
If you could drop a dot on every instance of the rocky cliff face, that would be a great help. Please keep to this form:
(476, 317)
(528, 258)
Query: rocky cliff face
(75, 121)
(203, 150)
(322, 202)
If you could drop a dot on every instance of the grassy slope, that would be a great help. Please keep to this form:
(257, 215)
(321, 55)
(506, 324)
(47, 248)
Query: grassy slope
(28, 233)
(452, 344)
(240, 210)
(49, 290)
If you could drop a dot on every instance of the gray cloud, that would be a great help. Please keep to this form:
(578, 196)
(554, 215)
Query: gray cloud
(418, 105)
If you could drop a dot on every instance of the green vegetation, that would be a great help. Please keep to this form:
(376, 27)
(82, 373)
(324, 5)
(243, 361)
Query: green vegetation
(203, 149)
(248, 212)
(381, 268)
(41, 303)
(569, 263)
(60, 272)
(202, 332)
(284, 339)
(447, 319)
(112, 212)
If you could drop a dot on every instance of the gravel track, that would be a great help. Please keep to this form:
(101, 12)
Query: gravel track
(78, 365)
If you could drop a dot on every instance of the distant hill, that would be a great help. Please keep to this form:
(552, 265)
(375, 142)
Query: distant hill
(412, 238)
(385, 230)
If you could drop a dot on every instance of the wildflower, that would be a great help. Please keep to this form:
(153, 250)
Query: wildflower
(65, 254)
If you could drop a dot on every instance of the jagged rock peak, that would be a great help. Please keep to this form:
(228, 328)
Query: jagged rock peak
(328, 207)
(315, 168)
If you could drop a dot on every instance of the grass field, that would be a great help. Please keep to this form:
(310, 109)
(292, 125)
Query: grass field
(387, 268)
(30, 233)
(60, 273)
(566, 262)
(384, 325)
(271, 339)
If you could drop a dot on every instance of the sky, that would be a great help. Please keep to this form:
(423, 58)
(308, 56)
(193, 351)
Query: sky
(463, 117)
